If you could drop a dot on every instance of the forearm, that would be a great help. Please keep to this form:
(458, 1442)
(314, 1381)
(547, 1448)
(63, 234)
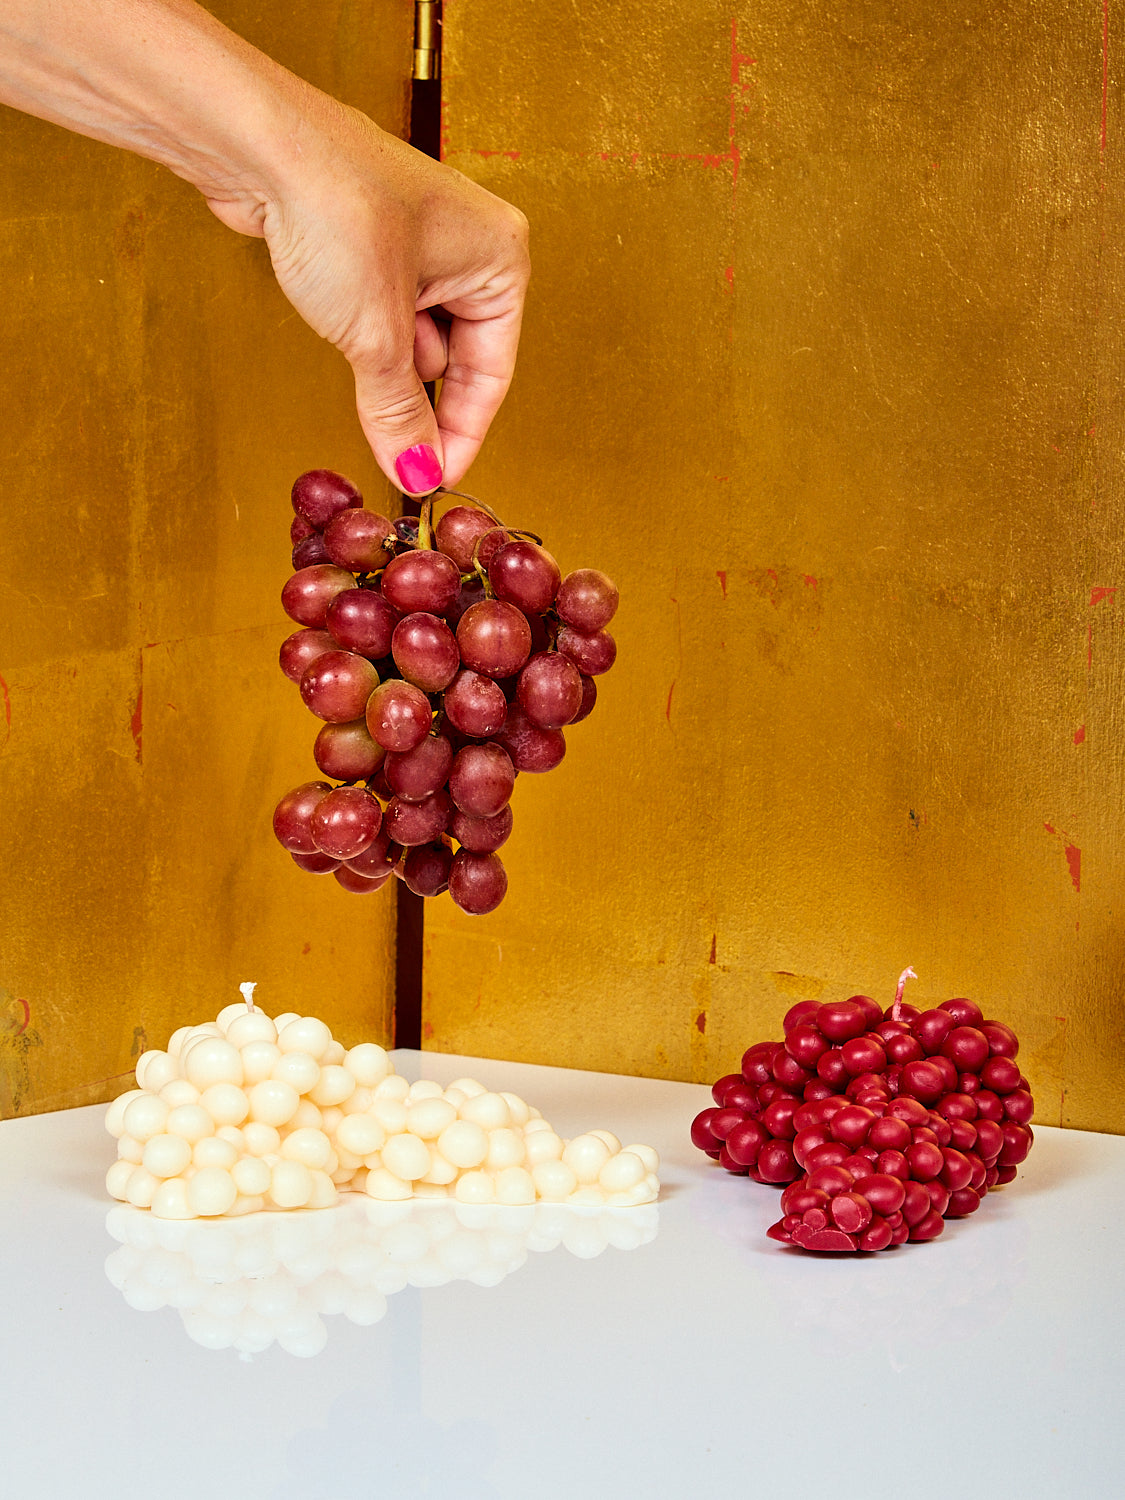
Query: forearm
(161, 78)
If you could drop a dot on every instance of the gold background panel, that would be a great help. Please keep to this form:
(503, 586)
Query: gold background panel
(822, 364)
(160, 396)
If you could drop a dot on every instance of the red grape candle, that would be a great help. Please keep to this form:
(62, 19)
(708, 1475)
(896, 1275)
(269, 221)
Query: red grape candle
(247, 1113)
(443, 661)
(879, 1125)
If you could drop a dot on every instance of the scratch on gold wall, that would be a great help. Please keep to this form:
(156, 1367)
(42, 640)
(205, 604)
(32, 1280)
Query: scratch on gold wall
(160, 396)
(823, 363)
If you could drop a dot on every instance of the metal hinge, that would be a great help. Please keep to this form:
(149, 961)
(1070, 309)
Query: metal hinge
(427, 39)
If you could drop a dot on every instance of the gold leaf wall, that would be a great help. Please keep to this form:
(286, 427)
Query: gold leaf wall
(823, 363)
(159, 398)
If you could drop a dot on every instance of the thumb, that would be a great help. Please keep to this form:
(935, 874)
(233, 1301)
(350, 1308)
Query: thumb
(399, 424)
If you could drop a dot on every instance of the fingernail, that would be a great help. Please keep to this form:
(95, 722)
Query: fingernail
(418, 469)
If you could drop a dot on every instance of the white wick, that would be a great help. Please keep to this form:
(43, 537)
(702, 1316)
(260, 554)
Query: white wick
(902, 978)
(248, 987)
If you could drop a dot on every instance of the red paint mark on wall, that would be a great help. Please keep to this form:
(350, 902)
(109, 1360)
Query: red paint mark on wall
(1098, 594)
(25, 1010)
(701, 1022)
(811, 582)
(711, 957)
(728, 273)
(511, 155)
(136, 725)
(668, 705)
(7, 711)
(1072, 854)
(720, 574)
(1080, 735)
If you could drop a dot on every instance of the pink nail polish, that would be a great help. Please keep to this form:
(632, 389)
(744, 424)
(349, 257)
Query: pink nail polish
(418, 469)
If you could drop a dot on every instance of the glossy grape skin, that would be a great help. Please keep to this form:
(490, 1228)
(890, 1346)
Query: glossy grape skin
(301, 649)
(299, 529)
(310, 551)
(587, 600)
(475, 704)
(421, 580)
(379, 858)
(307, 594)
(477, 882)
(426, 869)
(458, 531)
(345, 822)
(315, 864)
(292, 814)
(320, 494)
(481, 779)
(531, 748)
(524, 574)
(398, 715)
(359, 885)
(481, 835)
(416, 774)
(425, 651)
(589, 699)
(362, 620)
(549, 690)
(591, 654)
(346, 751)
(360, 540)
(494, 638)
(411, 823)
(337, 686)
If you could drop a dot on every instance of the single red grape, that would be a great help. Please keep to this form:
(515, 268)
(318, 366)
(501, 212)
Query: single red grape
(524, 574)
(591, 654)
(416, 774)
(425, 651)
(549, 690)
(587, 600)
(426, 869)
(398, 715)
(589, 698)
(345, 822)
(411, 823)
(299, 529)
(494, 638)
(475, 704)
(481, 835)
(306, 595)
(531, 748)
(421, 580)
(379, 858)
(292, 814)
(361, 540)
(362, 620)
(360, 885)
(477, 882)
(346, 751)
(301, 649)
(481, 779)
(315, 864)
(459, 530)
(337, 686)
(320, 494)
(309, 551)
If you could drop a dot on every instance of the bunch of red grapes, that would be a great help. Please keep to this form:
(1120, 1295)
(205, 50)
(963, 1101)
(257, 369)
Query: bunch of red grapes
(443, 661)
(880, 1125)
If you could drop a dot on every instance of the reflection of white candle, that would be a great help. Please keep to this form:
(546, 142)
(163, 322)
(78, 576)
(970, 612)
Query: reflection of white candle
(271, 1279)
(246, 1113)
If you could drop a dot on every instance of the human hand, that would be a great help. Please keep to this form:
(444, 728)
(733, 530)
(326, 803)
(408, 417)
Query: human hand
(412, 271)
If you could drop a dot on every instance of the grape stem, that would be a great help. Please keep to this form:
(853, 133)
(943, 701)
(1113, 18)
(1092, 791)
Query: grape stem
(896, 1009)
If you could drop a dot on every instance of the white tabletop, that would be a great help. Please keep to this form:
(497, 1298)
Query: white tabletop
(659, 1352)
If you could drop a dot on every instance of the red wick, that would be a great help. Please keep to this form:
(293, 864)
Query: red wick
(902, 978)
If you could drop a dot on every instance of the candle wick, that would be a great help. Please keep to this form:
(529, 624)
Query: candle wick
(896, 1009)
(248, 987)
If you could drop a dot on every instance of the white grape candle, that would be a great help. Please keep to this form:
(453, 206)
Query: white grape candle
(247, 1113)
